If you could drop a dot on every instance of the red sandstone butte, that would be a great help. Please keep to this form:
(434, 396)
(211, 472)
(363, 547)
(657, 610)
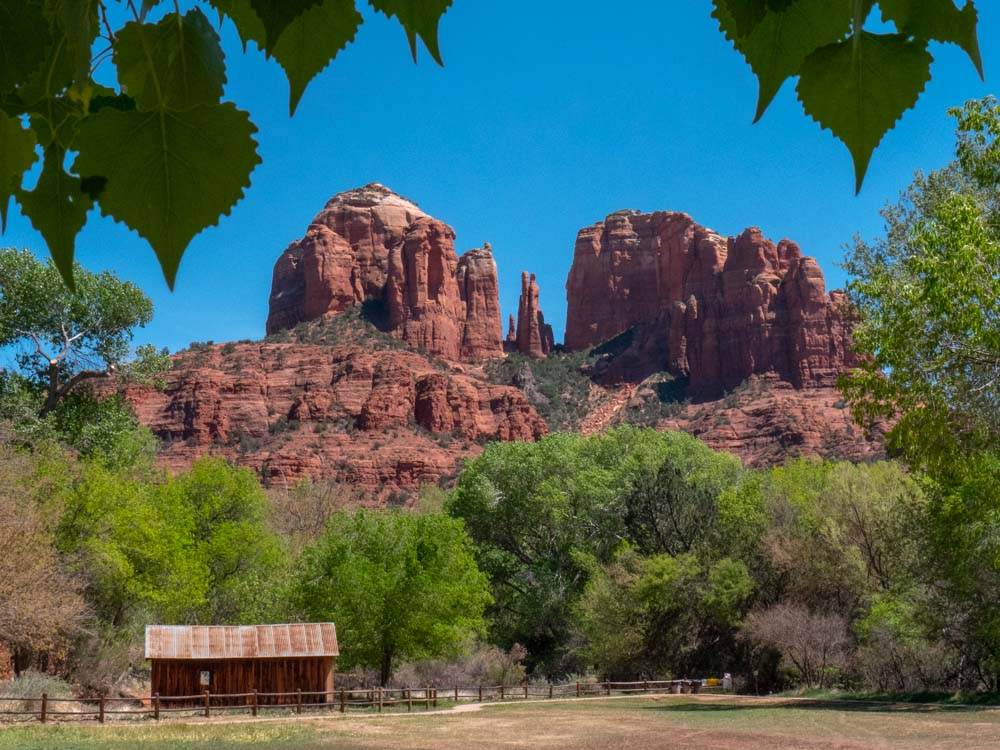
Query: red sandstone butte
(372, 245)
(378, 419)
(693, 303)
(533, 336)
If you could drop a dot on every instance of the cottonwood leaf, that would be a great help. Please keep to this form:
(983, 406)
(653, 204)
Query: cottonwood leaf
(940, 20)
(25, 37)
(307, 45)
(17, 154)
(783, 37)
(176, 63)
(276, 15)
(418, 18)
(859, 88)
(57, 208)
(77, 23)
(169, 173)
(737, 18)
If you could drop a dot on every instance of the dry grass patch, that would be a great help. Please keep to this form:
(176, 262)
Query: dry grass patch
(598, 724)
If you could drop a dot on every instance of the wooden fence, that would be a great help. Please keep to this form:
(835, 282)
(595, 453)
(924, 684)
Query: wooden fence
(375, 699)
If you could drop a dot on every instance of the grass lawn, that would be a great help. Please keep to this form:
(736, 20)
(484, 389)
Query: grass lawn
(599, 724)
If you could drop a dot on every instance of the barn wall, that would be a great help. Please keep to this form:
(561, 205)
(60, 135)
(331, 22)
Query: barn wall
(178, 677)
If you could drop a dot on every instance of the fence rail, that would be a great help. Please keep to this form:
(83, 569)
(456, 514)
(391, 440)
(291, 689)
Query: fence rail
(45, 708)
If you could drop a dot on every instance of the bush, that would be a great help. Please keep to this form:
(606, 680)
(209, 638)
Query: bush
(23, 693)
(482, 665)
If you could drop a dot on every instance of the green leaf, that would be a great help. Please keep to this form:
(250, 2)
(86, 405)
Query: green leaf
(169, 173)
(312, 41)
(860, 88)
(175, 63)
(277, 15)
(737, 18)
(17, 153)
(307, 45)
(78, 25)
(24, 39)
(783, 37)
(419, 18)
(58, 209)
(939, 20)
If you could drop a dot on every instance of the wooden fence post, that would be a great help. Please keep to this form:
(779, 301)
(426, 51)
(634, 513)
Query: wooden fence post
(427, 698)
(208, 698)
(298, 701)
(456, 693)
(156, 706)
(645, 686)
(435, 697)
(380, 699)
(501, 692)
(343, 702)
(100, 710)
(45, 707)
(550, 691)
(607, 688)
(480, 693)
(526, 691)
(409, 700)
(253, 705)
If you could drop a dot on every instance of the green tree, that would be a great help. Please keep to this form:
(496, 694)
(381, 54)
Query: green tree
(673, 509)
(928, 300)
(65, 338)
(182, 549)
(662, 615)
(543, 513)
(962, 558)
(245, 562)
(398, 586)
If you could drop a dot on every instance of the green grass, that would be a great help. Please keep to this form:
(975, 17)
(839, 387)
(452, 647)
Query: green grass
(925, 696)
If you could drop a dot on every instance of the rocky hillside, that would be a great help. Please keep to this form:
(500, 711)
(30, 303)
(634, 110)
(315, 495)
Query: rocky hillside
(385, 363)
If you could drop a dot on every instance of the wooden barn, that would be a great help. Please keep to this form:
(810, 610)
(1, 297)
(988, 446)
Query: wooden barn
(187, 660)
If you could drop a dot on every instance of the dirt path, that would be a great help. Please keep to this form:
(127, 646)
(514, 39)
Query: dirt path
(613, 402)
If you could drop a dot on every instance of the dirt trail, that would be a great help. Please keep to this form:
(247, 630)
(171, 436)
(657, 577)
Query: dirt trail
(614, 400)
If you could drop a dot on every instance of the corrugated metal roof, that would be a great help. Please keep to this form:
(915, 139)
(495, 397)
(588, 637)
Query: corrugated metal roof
(241, 641)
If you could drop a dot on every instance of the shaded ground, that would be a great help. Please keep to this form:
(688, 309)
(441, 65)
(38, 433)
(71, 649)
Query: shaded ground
(636, 723)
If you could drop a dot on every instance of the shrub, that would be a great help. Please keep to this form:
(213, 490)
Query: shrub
(23, 693)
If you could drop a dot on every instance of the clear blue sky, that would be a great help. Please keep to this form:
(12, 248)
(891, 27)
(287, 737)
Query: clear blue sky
(547, 117)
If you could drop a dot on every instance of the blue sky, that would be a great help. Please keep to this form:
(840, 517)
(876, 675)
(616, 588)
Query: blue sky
(546, 117)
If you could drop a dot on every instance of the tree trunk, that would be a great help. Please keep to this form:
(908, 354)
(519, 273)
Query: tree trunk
(52, 392)
(385, 669)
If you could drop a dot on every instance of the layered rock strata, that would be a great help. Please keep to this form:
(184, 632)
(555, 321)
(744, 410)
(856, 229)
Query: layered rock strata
(378, 419)
(716, 311)
(372, 246)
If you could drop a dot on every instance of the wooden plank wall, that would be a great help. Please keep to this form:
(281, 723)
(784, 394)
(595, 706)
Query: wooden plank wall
(228, 676)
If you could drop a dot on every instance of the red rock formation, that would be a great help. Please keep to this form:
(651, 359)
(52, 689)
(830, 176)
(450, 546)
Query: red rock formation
(370, 244)
(511, 341)
(377, 419)
(534, 338)
(699, 306)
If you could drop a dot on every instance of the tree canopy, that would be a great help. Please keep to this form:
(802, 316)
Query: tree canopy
(928, 302)
(398, 586)
(64, 337)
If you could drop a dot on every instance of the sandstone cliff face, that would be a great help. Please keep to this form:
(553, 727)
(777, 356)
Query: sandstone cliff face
(533, 337)
(716, 311)
(382, 420)
(372, 245)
